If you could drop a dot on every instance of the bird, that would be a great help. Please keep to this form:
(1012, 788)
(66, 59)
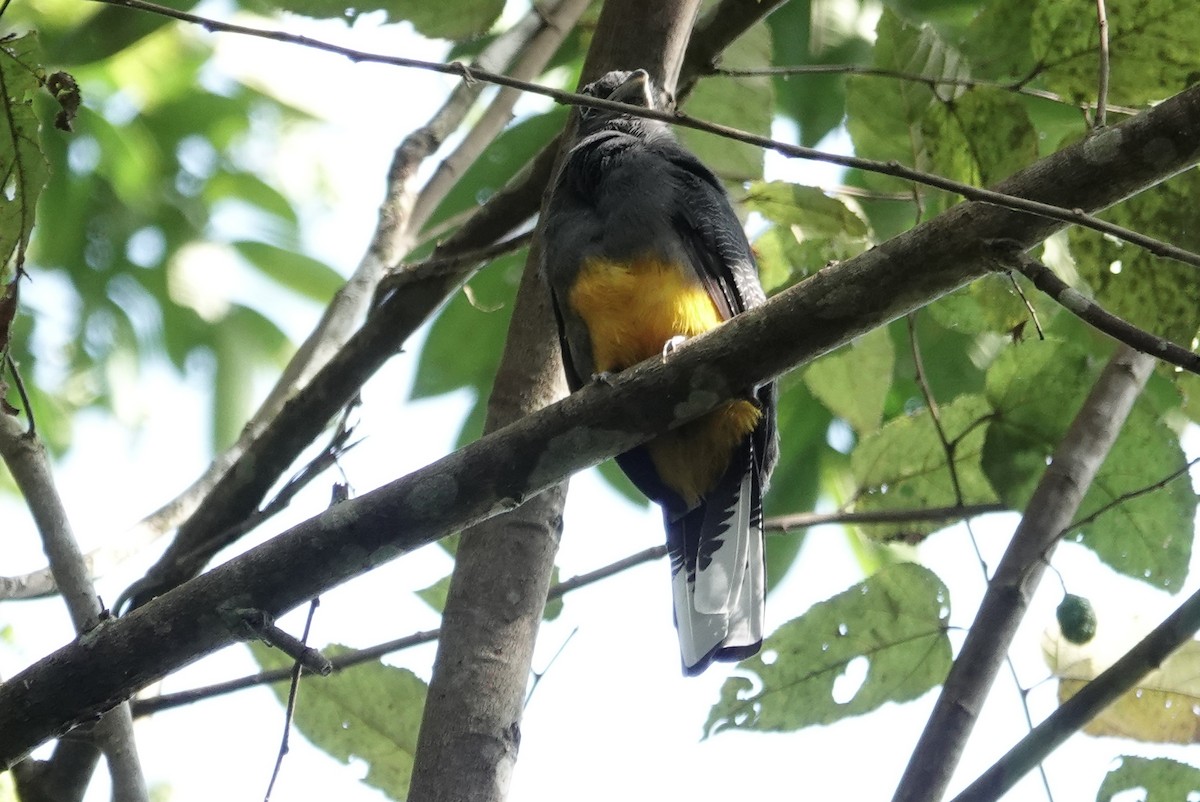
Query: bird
(641, 250)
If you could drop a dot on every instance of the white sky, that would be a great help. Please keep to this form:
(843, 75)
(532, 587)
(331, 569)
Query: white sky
(613, 718)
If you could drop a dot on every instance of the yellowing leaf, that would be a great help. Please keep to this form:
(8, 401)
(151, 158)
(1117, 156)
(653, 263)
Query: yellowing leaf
(1164, 706)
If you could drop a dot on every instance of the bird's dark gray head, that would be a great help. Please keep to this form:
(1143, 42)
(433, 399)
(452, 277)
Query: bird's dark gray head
(621, 86)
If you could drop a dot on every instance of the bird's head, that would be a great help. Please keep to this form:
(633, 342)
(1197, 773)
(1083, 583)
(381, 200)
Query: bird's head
(621, 86)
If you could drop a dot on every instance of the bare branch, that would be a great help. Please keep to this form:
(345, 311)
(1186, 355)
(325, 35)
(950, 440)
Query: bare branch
(1048, 513)
(1102, 93)
(30, 467)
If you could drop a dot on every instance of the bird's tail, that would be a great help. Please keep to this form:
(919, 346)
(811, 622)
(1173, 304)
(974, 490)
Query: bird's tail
(718, 570)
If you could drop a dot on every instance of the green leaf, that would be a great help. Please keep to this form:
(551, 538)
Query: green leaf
(302, 274)
(998, 40)
(249, 188)
(1160, 295)
(811, 231)
(853, 382)
(744, 103)
(884, 117)
(991, 304)
(795, 486)
(503, 159)
(1162, 779)
(23, 168)
(979, 136)
(459, 19)
(895, 622)
(245, 341)
(465, 341)
(370, 711)
(809, 209)
(1152, 48)
(903, 465)
(435, 595)
(1036, 389)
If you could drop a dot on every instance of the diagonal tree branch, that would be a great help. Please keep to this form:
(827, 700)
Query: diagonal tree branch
(509, 466)
(1176, 630)
(1047, 515)
(245, 478)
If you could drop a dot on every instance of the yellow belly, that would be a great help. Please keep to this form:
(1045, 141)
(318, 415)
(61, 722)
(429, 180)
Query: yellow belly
(630, 311)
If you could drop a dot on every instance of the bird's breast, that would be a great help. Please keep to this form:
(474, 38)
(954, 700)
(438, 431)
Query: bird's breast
(631, 309)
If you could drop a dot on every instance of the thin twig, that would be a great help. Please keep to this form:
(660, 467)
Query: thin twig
(1096, 316)
(293, 693)
(1132, 494)
(1102, 93)
(891, 168)
(1033, 315)
(1019, 86)
(31, 430)
(411, 272)
(537, 675)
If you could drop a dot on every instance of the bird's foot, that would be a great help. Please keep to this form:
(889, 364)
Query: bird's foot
(670, 345)
(604, 377)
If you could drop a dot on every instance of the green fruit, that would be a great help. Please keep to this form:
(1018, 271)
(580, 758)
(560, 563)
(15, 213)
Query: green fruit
(1076, 618)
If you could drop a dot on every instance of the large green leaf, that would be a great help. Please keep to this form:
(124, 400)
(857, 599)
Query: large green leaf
(460, 19)
(371, 712)
(1162, 780)
(23, 168)
(896, 622)
(816, 102)
(811, 230)
(744, 103)
(1036, 389)
(502, 160)
(903, 465)
(1160, 295)
(853, 382)
(1152, 48)
(465, 341)
(303, 274)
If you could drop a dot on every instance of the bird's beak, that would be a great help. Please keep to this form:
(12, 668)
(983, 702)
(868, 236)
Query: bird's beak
(635, 90)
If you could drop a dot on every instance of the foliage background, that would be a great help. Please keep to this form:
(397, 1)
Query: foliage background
(206, 207)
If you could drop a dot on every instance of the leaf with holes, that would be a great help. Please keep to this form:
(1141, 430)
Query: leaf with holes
(1163, 707)
(370, 712)
(895, 622)
(1161, 780)
(22, 164)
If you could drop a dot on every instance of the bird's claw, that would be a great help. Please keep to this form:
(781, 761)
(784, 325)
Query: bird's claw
(604, 377)
(670, 345)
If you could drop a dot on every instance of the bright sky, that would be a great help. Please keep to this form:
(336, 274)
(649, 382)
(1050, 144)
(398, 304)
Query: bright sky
(613, 717)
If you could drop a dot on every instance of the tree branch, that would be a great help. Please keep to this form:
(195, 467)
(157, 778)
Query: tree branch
(1096, 316)
(1177, 629)
(891, 168)
(507, 467)
(414, 299)
(531, 42)
(30, 467)
(1047, 515)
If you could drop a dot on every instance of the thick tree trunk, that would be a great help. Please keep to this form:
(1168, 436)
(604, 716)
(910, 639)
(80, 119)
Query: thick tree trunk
(470, 733)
